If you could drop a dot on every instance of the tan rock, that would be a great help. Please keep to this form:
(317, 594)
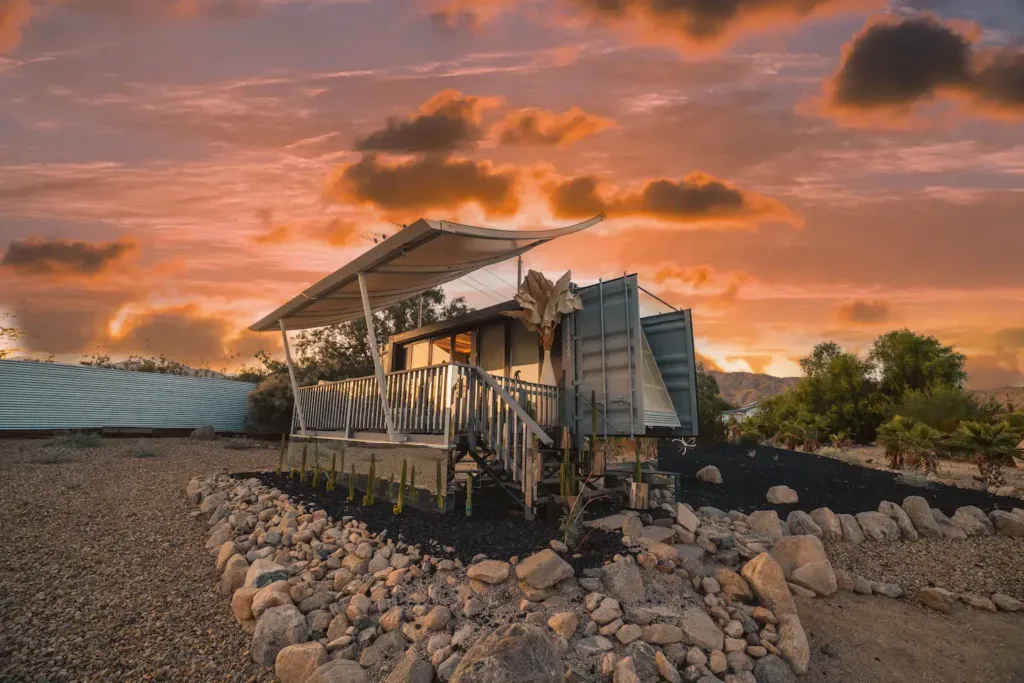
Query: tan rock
(490, 571)
(296, 663)
(937, 598)
(543, 569)
(564, 624)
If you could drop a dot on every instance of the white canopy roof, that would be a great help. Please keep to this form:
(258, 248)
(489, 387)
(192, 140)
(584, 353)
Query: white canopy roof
(424, 255)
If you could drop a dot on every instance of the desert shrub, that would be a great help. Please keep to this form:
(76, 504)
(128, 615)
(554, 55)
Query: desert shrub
(990, 446)
(750, 438)
(271, 403)
(940, 407)
(77, 440)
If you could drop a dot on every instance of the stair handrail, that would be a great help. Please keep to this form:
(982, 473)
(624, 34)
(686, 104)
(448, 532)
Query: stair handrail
(513, 405)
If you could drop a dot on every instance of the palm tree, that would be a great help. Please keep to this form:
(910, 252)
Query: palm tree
(895, 436)
(921, 444)
(814, 428)
(991, 445)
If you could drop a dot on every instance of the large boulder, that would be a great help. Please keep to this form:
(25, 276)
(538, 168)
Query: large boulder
(734, 586)
(801, 524)
(264, 572)
(622, 581)
(709, 474)
(700, 629)
(828, 522)
(686, 518)
(920, 513)
(973, 521)
(1007, 523)
(543, 569)
(276, 629)
(903, 523)
(766, 523)
(769, 583)
(946, 525)
(518, 652)
(782, 495)
(852, 533)
(234, 575)
(339, 671)
(296, 663)
(489, 571)
(804, 562)
(878, 527)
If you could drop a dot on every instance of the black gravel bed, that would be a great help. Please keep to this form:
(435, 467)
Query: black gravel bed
(818, 480)
(493, 530)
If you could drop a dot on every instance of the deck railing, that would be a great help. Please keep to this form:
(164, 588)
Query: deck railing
(431, 400)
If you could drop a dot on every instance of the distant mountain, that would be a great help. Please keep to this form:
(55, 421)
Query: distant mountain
(741, 388)
(1014, 395)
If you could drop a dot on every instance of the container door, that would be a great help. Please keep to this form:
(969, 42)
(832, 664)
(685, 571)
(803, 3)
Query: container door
(670, 337)
(606, 351)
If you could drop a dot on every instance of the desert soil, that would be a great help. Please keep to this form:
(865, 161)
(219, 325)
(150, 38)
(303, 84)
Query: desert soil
(105, 578)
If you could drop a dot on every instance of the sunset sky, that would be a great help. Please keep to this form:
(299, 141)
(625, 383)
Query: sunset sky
(791, 170)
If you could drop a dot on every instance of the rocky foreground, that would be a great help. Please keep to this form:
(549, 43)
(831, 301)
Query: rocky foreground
(327, 601)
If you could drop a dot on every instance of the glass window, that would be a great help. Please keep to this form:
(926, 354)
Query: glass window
(463, 347)
(417, 355)
(440, 351)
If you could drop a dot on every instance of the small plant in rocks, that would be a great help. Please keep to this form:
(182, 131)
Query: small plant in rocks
(77, 440)
(142, 450)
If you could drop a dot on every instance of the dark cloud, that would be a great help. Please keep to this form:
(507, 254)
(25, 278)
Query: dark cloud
(1012, 337)
(547, 128)
(697, 197)
(428, 183)
(446, 122)
(894, 64)
(60, 257)
(898, 63)
(864, 312)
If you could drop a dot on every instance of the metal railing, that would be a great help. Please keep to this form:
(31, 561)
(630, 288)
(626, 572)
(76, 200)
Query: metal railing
(427, 400)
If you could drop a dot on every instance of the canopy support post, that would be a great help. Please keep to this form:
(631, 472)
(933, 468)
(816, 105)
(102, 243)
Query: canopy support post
(371, 336)
(291, 376)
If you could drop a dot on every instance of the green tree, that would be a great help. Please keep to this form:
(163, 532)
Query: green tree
(907, 361)
(710, 406)
(941, 407)
(820, 358)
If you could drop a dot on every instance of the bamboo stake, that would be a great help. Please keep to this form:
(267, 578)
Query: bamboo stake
(401, 491)
(302, 472)
(334, 471)
(469, 495)
(352, 484)
(440, 496)
(284, 449)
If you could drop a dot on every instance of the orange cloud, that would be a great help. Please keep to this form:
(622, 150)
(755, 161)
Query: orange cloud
(547, 128)
(695, 277)
(65, 258)
(938, 61)
(429, 183)
(864, 312)
(446, 122)
(333, 231)
(698, 197)
(14, 14)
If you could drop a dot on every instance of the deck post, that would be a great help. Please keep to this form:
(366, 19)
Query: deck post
(371, 335)
(291, 375)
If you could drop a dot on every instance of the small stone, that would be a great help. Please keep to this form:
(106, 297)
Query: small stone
(543, 569)
(489, 571)
(628, 633)
(696, 657)
(564, 624)
(801, 524)
(852, 533)
(717, 662)
(772, 669)
(558, 546)
(1006, 603)
(607, 612)
(666, 669)
(978, 602)
(438, 618)
(296, 663)
(937, 598)
(782, 495)
(664, 634)
(701, 630)
(709, 474)
(624, 672)
(339, 671)
(594, 645)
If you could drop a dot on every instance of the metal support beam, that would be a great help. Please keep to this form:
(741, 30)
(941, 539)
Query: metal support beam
(291, 375)
(382, 382)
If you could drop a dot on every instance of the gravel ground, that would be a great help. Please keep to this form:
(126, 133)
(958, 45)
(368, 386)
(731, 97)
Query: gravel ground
(976, 565)
(103, 575)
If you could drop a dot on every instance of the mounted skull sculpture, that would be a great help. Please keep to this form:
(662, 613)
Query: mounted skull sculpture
(543, 303)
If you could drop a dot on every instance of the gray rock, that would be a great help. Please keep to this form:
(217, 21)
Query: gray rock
(632, 527)
(622, 580)
(701, 630)
(411, 670)
(878, 527)
(852, 533)
(518, 652)
(277, 628)
(644, 659)
(766, 578)
(339, 671)
(903, 523)
(1006, 603)
(973, 521)
(709, 474)
(543, 569)
(920, 513)
(772, 669)
(594, 645)
(448, 667)
(1007, 523)
(263, 573)
(686, 518)
(782, 495)
(801, 524)
(233, 578)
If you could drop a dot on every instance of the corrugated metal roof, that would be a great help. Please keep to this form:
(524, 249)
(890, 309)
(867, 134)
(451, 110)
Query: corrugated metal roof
(43, 396)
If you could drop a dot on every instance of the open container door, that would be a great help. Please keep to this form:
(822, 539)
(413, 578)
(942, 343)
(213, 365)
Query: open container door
(670, 337)
(605, 355)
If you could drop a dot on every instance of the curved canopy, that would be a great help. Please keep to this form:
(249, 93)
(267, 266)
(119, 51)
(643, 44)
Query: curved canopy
(424, 255)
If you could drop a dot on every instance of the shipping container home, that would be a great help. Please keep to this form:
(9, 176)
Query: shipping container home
(470, 389)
